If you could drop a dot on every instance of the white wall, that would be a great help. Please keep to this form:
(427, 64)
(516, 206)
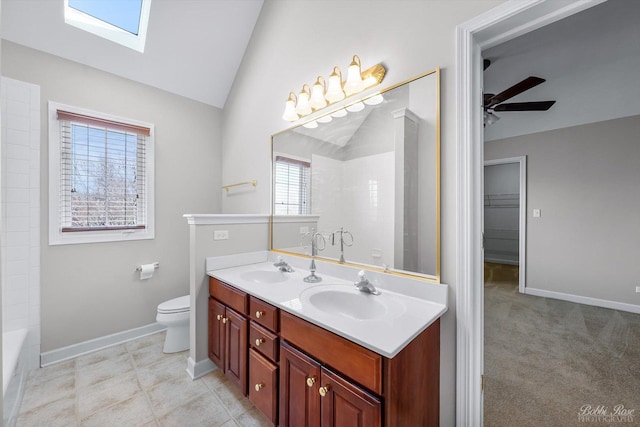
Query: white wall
(296, 40)
(585, 180)
(590, 61)
(92, 290)
(21, 211)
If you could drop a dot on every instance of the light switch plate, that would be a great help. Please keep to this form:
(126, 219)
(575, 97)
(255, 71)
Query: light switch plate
(638, 289)
(220, 234)
(537, 213)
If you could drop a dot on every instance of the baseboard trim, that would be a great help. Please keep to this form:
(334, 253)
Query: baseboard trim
(614, 305)
(65, 353)
(200, 369)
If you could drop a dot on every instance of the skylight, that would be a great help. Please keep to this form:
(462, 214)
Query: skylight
(121, 21)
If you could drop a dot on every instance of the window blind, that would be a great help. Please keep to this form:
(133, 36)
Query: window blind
(291, 186)
(102, 174)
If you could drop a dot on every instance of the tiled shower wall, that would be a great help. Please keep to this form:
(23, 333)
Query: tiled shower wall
(21, 211)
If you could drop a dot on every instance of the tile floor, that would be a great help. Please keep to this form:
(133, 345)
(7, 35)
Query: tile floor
(133, 384)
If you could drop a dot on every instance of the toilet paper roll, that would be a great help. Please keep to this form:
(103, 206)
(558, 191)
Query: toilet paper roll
(146, 271)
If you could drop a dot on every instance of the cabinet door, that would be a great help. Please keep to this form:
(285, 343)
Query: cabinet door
(216, 333)
(299, 398)
(235, 363)
(263, 385)
(345, 405)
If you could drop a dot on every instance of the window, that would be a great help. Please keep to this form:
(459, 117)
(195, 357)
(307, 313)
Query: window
(122, 22)
(100, 183)
(291, 186)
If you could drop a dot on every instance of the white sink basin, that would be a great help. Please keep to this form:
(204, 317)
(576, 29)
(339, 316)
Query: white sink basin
(348, 301)
(264, 276)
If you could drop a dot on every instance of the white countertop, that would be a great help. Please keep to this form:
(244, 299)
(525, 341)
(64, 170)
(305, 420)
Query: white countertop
(416, 304)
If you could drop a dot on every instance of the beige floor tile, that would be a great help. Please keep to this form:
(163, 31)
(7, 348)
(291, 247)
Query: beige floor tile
(215, 380)
(61, 413)
(143, 342)
(170, 367)
(43, 375)
(47, 392)
(101, 355)
(204, 410)
(233, 400)
(148, 355)
(173, 393)
(101, 371)
(230, 423)
(107, 393)
(253, 418)
(134, 411)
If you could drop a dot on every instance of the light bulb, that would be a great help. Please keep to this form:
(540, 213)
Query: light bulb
(311, 125)
(374, 100)
(358, 106)
(354, 83)
(302, 107)
(290, 114)
(317, 100)
(325, 119)
(340, 113)
(334, 88)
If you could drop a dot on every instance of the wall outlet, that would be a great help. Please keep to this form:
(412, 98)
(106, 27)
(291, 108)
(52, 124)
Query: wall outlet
(537, 213)
(221, 235)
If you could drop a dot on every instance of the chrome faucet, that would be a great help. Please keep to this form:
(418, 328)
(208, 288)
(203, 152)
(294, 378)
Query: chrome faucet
(316, 238)
(364, 285)
(282, 265)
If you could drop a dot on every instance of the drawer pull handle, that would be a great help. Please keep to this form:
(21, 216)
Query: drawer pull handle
(225, 319)
(323, 391)
(259, 341)
(259, 314)
(259, 386)
(311, 381)
(219, 317)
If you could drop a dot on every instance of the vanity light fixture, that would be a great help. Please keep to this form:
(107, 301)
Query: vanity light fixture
(302, 107)
(374, 100)
(325, 93)
(318, 100)
(354, 108)
(311, 125)
(339, 113)
(290, 114)
(325, 119)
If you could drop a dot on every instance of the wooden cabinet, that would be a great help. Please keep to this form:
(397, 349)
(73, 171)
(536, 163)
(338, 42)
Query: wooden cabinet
(301, 375)
(228, 332)
(313, 396)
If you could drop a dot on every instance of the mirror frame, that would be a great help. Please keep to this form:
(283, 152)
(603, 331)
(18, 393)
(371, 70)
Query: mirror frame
(343, 104)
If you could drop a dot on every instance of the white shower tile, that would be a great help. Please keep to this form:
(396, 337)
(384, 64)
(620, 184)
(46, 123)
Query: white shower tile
(17, 268)
(20, 108)
(17, 209)
(34, 197)
(34, 256)
(18, 122)
(17, 253)
(17, 166)
(17, 91)
(17, 146)
(34, 140)
(17, 180)
(34, 120)
(34, 160)
(17, 238)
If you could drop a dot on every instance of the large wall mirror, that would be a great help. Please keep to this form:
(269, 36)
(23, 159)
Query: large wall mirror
(368, 181)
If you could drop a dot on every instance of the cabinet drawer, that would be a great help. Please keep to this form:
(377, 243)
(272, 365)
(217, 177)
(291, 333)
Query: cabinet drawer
(352, 360)
(263, 313)
(230, 296)
(263, 385)
(263, 341)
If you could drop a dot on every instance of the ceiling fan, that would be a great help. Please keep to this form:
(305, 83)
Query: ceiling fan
(493, 102)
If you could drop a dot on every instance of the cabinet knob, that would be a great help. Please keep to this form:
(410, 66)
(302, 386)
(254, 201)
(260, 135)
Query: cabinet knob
(259, 386)
(219, 317)
(311, 381)
(259, 341)
(259, 314)
(323, 391)
(225, 319)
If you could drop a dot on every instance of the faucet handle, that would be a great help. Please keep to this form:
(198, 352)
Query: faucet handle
(361, 276)
(280, 259)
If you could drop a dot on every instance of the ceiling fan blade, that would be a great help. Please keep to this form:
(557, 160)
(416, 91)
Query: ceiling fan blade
(514, 90)
(525, 106)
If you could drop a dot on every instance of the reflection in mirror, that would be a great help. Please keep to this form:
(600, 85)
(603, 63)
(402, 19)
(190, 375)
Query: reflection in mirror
(367, 178)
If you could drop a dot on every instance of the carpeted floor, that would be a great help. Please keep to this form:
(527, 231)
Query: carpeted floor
(547, 361)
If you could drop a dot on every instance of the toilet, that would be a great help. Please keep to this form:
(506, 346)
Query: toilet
(174, 314)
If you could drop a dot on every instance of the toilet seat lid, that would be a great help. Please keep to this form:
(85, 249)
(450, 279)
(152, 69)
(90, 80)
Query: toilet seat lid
(176, 305)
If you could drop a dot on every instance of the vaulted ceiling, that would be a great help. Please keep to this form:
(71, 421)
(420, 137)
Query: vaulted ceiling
(194, 47)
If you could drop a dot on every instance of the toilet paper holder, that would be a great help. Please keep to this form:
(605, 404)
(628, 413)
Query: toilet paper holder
(156, 265)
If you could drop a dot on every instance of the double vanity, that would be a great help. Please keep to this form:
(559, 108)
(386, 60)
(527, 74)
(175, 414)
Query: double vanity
(328, 353)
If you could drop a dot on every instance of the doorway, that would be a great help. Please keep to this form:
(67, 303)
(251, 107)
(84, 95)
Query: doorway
(505, 214)
(496, 26)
